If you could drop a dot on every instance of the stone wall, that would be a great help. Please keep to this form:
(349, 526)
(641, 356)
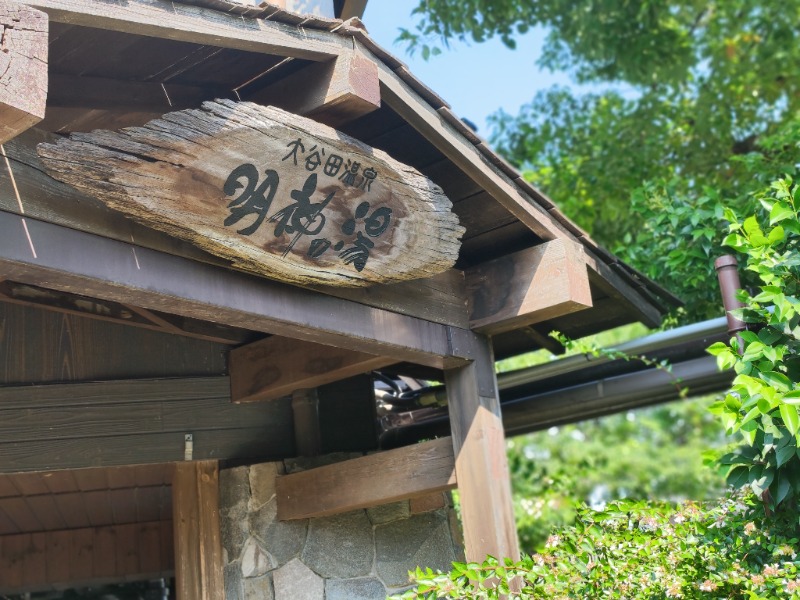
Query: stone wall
(359, 555)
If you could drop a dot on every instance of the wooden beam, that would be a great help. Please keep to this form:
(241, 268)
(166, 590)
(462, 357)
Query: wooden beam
(530, 286)
(74, 91)
(77, 425)
(115, 312)
(277, 366)
(484, 484)
(23, 65)
(410, 472)
(198, 549)
(186, 23)
(38, 253)
(333, 92)
(38, 562)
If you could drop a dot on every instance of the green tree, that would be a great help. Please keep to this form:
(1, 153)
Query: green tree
(698, 99)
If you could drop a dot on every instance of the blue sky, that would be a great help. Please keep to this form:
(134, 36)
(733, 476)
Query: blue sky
(476, 79)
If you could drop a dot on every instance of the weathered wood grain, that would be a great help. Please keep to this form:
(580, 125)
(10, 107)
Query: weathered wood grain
(410, 472)
(116, 271)
(198, 549)
(135, 422)
(439, 299)
(179, 21)
(38, 562)
(530, 286)
(277, 366)
(484, 484)
(224, 178)
(23, 68)
(333, 92)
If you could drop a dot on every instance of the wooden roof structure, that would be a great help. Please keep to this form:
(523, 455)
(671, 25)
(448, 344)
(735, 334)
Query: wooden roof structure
(122, 345)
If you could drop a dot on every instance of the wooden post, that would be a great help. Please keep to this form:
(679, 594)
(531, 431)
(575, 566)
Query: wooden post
(481, 466)
(198, 550)
(23, 64)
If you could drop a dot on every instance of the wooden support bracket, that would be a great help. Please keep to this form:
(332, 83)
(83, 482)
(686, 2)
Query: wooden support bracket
(277, 366)
(332, 92)
(404, 473)
(530, 286)
(23, 64)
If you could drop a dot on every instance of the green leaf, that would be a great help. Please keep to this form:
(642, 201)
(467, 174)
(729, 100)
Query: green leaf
(784, 454)
(777, 380)
(780, 212)
(790, 417)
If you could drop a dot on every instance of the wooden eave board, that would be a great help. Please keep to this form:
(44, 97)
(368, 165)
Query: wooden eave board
(94, 497)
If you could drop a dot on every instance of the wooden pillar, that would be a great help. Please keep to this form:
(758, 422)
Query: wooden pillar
(484, 484)
(198, 549)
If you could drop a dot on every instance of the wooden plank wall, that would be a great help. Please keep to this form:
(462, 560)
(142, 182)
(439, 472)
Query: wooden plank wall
(38, 346)
(137, 421)
(31, 562)
(56, 500)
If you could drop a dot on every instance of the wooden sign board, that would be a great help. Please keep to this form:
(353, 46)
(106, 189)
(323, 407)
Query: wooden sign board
(277, 194)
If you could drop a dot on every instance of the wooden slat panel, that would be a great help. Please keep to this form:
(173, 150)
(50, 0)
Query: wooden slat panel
(91, 479)
(12, 561)
(7, 525)
(410, 472)
(45, 347)
(110, 270)
(123, 505)
(196, 25)
(98, 507)
(148, 503)
(73, 508)
(19, 512)
(59, 482)
(528, 287)
(84, 557)
(7, 487)
(198, 568)
(47, 512)
(149, 544)
(127, 550)
(58, 550)
(277, 366)
(35, 563)
(121, 477)
(81, 564)
(104, 564)
(253, 443)
(29, 484)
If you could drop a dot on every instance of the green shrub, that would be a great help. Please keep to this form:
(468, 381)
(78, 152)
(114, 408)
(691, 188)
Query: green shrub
(728, 549)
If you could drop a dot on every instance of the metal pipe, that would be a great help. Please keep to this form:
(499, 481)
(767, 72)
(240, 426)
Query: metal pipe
(728, 275)
(639, 347)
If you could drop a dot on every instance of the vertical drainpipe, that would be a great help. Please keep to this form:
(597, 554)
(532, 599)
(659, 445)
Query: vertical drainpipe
(728, 276)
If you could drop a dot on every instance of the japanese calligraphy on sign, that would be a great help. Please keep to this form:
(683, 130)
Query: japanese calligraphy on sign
(277, 194)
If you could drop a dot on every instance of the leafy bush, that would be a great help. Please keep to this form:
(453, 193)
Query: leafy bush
(642, 551)
(763, 403)
(743, 546)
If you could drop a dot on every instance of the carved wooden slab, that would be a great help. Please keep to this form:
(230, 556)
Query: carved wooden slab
(277, 194)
